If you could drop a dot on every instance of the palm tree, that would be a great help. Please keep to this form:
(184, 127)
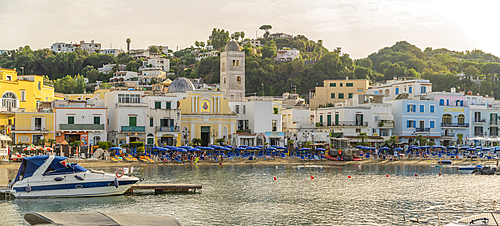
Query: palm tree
(363, 136)
(128, 44)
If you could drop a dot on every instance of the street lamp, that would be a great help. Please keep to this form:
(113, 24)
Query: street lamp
(213, 134)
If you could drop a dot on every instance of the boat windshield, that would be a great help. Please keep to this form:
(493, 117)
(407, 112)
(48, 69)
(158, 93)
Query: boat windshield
(57, 167)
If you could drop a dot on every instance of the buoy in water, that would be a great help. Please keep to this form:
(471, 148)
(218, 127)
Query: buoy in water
(312, 177)
(439, 174)
(386, 175)
(274, 178)
(416, 175)
(348, 176)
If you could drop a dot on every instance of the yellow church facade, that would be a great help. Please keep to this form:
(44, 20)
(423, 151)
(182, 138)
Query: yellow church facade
(206, 115)
(21, 93)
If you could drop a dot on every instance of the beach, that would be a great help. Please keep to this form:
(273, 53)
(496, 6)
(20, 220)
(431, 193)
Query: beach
(294, 161)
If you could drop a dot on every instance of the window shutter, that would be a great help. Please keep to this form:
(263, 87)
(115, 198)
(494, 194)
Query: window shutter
(43, 124)
(408, 108)
(32, 123)
(408, 124)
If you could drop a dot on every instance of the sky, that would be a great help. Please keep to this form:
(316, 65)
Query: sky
(359, 27)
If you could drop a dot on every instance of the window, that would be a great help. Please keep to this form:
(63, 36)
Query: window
(423, 89)
(348, 85)
(341, 96)
(244, 109)
(23, 95)
(441, 102)
(340, 84)
(422, 108)
(151, 122)
(350, 95)
(157, 105)
(446, 118)
(132, 121)
(376, 92)
(237, 109)
(409, 89)
(397, 91)
(9, 78)
(238, 79)
(169, 105)
(151, 140)
(361, 90)
(332, 96)
(129, 98)
(97, 120)
(410, 124)
(39, 85)
(431, 123)
(410, 108)
(431, 108)
(237, 63)
(333, 84)
(478, 130)
(71, 119)
(461, 119)
(234, 63)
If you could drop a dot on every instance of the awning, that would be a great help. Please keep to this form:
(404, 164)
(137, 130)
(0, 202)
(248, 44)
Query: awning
(385, 116)
(3, 137)
(97, 218)
(335, 135)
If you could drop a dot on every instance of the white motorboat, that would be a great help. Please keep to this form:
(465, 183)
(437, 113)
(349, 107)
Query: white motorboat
(457, 214)
(49, 176)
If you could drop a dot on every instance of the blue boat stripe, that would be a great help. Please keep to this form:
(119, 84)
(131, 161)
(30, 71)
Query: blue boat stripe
(73, 186)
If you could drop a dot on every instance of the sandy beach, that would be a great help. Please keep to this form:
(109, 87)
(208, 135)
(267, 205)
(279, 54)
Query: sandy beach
(295, 161)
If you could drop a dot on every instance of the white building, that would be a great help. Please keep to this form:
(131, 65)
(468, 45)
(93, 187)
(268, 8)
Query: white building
(62, 47)
(143, 53)
(287, 55)
(253, 42)
(114, 52)
(392, 88)
(123, 76)
(164, 120)
(147, 75)
(87, 125)
(160, 63)
(106, 68)
(257, 121)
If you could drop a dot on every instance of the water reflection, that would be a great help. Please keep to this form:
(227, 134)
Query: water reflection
(248, 194)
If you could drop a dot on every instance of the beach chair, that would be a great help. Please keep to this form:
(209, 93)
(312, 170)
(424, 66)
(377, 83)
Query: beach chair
(283, 155)
(134, 159)
(113, 159)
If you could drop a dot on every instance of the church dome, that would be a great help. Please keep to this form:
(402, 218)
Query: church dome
(232, 46)
(180, 85)
(167, 82)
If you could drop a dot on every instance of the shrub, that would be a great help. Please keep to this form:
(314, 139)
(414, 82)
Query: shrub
(105, 144)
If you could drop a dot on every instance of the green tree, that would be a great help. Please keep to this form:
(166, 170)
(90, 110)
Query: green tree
(471, 71)
(459, 138)
(266, 28)
(269, 49)
(242, 34)
(154, 49)
(197, 43)
(196, 141)
(363, 137)
(128, 44)
(219, 38)
(202, 44)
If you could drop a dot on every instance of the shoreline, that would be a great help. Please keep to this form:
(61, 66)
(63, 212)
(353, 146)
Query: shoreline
(432, 162)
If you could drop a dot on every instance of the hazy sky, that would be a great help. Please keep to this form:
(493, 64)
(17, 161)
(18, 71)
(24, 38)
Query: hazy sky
(360, 27)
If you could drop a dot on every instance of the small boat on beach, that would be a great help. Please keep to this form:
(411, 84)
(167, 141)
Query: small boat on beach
(445, 162)
(50, 176)
(469, 167)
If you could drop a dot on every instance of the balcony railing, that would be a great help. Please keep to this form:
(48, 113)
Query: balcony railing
(422, 130)
(133, 128)
(345, 123)
(478, 120)
(494, 123)
(454, 124)
(385, 124)
(81, 126)
(167, 129)
(447, 134)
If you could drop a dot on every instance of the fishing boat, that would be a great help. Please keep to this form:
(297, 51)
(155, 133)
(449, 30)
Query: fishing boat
(456, 214)
(50, 176)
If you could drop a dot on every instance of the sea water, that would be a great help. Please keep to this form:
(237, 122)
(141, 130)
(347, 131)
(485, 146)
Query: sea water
(249, 195)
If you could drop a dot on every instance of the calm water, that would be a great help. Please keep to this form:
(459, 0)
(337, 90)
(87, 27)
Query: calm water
(248, 195)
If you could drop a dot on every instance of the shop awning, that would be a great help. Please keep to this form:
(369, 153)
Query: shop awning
(335, 135)
(385, 116)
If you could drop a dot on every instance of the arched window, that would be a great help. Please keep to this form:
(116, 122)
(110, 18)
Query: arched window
(9, 100)
(441, 101)
(446, 118)
(238, 79)
(96, 140)
(461, 119)
(224, 80)
(387, 92)
(447, 102)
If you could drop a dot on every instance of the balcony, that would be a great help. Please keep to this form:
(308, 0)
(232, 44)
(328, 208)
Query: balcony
(422, 130)
(81, 126)
(479, 120)
(448, 134)
(244, 132)
(133, 129)
(454, 124)
(344, 123)
(494, 123)
(385, 124)
(167, 129)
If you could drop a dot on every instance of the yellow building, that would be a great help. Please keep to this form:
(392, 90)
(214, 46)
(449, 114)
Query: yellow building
(32, 126)
(21, 93)
(206, 115)
(85, 96)
(336, 91)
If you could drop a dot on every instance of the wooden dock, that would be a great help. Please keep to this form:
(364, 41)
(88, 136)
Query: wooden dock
(166, 188)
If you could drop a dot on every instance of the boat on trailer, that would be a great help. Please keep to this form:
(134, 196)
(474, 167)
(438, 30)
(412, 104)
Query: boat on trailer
(457, 214)
(50, 176)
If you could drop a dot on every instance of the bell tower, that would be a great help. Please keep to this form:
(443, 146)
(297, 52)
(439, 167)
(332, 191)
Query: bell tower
(232, 72)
